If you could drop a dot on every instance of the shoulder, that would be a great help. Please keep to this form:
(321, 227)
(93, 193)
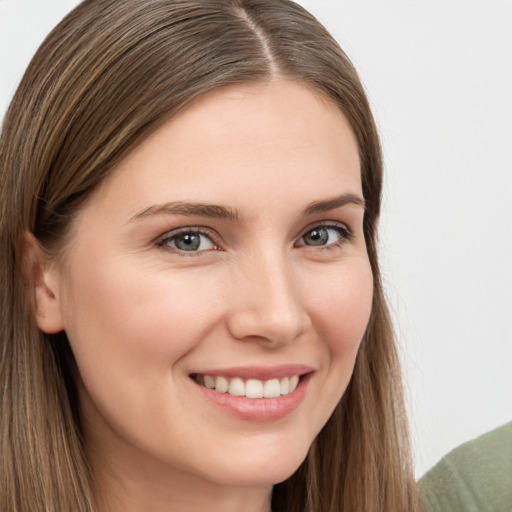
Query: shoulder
(476, 476)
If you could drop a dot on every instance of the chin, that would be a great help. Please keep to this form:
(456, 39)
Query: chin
(263, 466)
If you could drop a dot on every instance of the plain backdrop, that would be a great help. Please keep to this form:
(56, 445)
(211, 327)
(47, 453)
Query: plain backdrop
(439, 78)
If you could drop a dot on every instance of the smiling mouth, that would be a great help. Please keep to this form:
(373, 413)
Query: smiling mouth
(250, 388)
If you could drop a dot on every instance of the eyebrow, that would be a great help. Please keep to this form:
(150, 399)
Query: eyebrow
(333, 203)
(214, 211)
(208, 210)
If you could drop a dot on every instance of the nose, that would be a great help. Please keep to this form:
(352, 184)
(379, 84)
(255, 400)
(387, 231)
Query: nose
(268, 304)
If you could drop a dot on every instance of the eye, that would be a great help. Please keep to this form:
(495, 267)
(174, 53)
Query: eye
(325, 235)
(190, 240)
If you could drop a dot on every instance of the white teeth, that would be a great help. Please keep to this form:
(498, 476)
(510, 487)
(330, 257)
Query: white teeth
(271, 388)
(209, 382)
(221, 384)
(236, 387)
(252, 388)
(293, 382)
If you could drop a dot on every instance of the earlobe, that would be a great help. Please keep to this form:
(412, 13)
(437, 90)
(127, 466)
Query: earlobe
(41, 286)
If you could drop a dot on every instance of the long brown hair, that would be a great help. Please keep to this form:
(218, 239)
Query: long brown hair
(103, 79)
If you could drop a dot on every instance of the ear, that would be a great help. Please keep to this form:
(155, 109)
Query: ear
(42, 285)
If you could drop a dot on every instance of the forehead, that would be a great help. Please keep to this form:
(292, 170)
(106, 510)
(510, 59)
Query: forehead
(242, 141)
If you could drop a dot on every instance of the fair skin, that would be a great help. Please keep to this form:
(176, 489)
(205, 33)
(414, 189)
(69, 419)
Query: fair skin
(157, 296)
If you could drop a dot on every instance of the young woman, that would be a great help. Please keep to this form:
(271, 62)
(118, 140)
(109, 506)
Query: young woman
(192, 314)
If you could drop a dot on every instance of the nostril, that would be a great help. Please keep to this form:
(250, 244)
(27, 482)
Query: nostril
(271, 327)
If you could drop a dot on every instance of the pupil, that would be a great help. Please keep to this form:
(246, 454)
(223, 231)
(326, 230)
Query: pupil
(188, 242)
(317, 237)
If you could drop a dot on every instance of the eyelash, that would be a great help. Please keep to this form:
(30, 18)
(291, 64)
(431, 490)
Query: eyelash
(164, 241)
(345, 235)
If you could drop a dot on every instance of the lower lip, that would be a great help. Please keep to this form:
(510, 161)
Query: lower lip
(258, 409)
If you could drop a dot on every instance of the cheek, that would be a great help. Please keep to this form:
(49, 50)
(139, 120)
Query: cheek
(342, 307)
(128, 315)
(130, 330)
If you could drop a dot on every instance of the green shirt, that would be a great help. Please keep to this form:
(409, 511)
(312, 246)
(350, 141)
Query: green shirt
(475, 477)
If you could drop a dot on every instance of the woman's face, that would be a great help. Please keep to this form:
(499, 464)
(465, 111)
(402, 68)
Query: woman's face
(226, 250)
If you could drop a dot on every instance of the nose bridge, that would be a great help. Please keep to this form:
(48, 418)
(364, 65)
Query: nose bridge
(268, 304)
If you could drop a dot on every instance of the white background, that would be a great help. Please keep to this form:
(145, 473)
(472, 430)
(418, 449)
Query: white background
(439, 77)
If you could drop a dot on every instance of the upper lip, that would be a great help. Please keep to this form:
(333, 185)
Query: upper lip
(258, 372)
